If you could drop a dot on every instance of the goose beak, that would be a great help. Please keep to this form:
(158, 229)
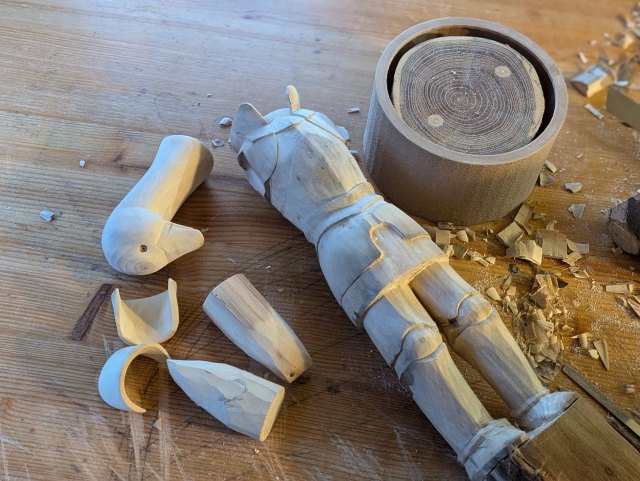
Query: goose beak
(177, 240)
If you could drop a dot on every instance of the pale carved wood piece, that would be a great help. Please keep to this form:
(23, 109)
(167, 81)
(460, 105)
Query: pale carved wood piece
(111, 380)
(151, 319)
(240, 400)
(593, 80)
(245, 316)
(391, 279)
(139, 237)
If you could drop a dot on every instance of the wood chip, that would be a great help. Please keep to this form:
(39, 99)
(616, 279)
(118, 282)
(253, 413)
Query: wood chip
(527, 250)
(217, 142)
(629, 389)
(482, 262)
(550, 166)
(512, 291)
(581, 274)
(552, 242)
(493, 294)
(583, 338)
(529, 229)
(442, 238)
(582, 58)
(551, 225)
(82, 163)
(448, 250)
(616, 250)
(634, 305)
(470, 234)
(506, 284)
(593, 80)
(575, 247)
(158, 424)
(601, 347)
(353, 110)
(573, 186)
(620, 288)
(510, 234)
(491, 260)
(594, 353)
(462, 236)
(539, 216)
(623, 40)
(47, 215)
(513, 307)
(546, 179)
(577, 210)
(594, 111)
(524, 214)
(226, 121)
(572, 258)
(459, 250)
(445, 226)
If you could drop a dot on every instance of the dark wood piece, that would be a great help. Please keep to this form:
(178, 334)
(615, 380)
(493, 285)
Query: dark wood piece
(469, 94)
(579, 445)
(84, 323)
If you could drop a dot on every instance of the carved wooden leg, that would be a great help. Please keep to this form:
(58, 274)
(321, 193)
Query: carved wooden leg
(476, 332)
(410, 342)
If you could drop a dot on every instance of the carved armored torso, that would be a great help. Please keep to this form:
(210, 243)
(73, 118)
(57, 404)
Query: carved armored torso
(299, 162)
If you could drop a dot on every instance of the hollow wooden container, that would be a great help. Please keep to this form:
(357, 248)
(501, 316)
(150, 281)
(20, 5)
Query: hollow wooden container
(438, 184)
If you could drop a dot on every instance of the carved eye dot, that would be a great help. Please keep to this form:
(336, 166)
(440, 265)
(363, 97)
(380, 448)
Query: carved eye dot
(143, 248)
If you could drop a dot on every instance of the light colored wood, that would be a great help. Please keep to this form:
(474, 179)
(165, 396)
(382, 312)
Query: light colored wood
(111, 383)
(240, 400)
(623, 106)
(623, 224)
(593, 80)
(139, 237)
(150, 319)
(369, 249)
(245, 316)
(469, 94)
(106, 82)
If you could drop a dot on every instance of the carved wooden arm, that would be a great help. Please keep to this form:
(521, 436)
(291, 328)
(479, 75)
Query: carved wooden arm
(391, 279)
(139, 237)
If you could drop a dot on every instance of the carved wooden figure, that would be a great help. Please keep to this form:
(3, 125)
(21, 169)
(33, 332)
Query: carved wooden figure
(139, 237)
(392, 279)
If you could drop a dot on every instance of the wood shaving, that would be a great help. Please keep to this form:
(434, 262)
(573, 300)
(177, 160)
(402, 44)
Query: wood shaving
(524, 214)
(582, 58)
(573, 186)
(572, 258)
(217, 142)
(575, 247)
(493, 294)
(620, 288)
(344, 133)
(527, 250)
(550, 166)
(462, 236)
(577, 210)
(47, 215)
(353, 110)
(226, 121)
(470, 234)
(546, 179)
(510, 234)
(594, 111)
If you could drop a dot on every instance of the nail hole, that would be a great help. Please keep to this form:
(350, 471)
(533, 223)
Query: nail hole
(143, 248)
(291, 375)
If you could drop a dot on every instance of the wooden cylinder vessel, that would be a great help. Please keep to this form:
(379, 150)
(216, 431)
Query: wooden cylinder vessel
(439, 184)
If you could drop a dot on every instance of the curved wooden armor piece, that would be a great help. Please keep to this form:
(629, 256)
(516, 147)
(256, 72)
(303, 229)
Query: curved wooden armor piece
(391, 279)
(139, 237)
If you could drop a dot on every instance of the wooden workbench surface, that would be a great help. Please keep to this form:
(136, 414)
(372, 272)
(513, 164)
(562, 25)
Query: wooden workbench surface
(104, 82)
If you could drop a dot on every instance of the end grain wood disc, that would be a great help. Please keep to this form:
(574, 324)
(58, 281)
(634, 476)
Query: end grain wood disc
(469, 94)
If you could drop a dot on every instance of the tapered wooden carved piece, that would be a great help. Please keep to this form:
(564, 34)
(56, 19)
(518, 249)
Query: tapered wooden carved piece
(150, 319)
(246, 318)
(139, 237)
(238, 399)
(391, 279)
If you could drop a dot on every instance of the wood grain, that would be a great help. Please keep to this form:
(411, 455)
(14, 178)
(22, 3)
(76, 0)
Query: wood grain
(469, 94)
(105, 82)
